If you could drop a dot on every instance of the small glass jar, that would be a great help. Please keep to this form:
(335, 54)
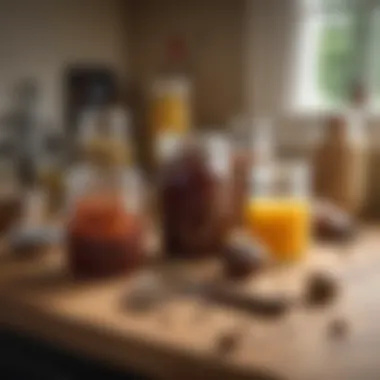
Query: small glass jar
(195, 190)
(278, 211)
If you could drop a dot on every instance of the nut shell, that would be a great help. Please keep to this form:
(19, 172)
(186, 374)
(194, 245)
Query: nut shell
(332, 224)
(321, 289)
(243, 256)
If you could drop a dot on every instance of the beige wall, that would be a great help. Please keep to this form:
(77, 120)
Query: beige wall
(39, 37)
(270, 48)
(213, 31)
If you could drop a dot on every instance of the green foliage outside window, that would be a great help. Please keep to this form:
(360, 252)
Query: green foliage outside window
(336, 62)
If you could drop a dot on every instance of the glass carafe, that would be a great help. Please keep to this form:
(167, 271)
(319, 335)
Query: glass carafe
(278, 211)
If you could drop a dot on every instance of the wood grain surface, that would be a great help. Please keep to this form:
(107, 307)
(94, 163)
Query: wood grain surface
(179, 339)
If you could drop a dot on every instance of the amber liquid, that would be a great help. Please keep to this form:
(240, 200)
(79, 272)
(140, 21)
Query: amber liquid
(281, 224)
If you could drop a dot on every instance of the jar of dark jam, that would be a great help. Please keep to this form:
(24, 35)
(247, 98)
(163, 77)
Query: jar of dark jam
(195, 189)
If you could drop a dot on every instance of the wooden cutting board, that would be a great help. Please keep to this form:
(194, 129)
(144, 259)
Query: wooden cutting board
(181, 339)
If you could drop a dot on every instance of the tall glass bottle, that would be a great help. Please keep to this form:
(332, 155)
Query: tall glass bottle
(170, 118)
(170, 115)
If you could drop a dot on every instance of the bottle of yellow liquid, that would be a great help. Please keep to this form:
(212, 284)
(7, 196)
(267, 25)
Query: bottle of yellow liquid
(170, 107)
(170, 99)
(278, 211)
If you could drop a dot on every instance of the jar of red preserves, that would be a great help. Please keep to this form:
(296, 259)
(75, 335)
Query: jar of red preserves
(105, 234)
(195, 190)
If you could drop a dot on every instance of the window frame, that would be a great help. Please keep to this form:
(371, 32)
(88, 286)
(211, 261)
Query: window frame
(306, 99)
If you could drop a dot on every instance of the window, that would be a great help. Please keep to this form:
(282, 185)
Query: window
(374, 77)
(336, 47)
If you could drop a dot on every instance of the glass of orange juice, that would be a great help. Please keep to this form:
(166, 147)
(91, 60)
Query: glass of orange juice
(278, 209)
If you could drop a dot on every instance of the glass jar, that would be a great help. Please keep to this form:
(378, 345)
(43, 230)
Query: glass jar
(278, 211)
(195, 190)
(105, 230)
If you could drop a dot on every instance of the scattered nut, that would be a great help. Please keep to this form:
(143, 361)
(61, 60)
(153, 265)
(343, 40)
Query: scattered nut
(321, 289)
(332, 224)
(243, 256)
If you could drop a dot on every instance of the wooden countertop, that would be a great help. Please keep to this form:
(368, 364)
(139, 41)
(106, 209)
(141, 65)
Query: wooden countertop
(178, 340)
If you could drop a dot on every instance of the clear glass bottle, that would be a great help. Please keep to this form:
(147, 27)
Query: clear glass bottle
(105, 231)
(195, 191)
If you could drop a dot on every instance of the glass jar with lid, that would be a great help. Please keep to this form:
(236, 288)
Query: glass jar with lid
(195, 189)
(105, 231)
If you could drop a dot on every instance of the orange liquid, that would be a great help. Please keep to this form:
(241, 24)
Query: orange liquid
(283, 225)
